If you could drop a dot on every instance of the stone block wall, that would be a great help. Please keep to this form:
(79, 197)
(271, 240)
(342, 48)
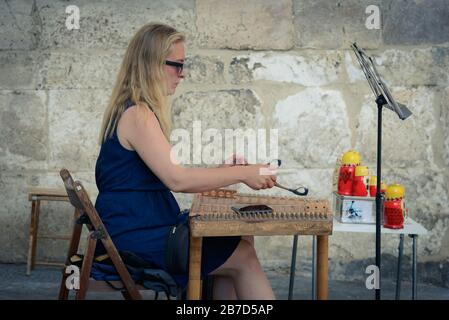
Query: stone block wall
(260, 64)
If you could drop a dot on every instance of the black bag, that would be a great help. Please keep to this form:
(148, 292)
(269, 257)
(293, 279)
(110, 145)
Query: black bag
(177, 252)
(140, 270)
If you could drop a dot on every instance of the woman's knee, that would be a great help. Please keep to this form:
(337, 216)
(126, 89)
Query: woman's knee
(246, 257)
(249, 239)
(243, 258)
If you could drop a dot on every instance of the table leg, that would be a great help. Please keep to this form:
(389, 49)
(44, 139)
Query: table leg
(414, 267)
(33, 257)
(293, 267)
(398, 277)
(34, 221)
(31, 236)
(194, 284)
(322, 267)
(314, 268)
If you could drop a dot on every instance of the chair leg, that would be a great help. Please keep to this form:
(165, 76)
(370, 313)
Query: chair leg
(76, 235)
(34, 222)
(63, 291)
(126, 295)
(73, 249)
(86, 267)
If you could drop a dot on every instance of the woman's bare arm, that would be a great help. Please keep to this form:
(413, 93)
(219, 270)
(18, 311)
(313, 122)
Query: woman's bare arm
(139, 130)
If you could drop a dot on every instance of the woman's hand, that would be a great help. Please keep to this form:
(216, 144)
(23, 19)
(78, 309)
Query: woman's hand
(259, 176)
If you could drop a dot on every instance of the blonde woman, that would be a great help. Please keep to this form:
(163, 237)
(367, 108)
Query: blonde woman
(134, 173)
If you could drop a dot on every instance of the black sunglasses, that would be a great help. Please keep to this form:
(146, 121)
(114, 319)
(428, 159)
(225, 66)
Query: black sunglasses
(178, 65)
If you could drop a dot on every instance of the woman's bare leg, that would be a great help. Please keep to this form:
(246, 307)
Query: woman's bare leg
(250, 239)
(224, 288)
(244, 268)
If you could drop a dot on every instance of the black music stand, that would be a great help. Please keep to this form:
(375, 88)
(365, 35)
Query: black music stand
(383, 98)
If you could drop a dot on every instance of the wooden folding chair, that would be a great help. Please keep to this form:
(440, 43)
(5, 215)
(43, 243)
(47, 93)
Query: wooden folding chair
(88, 215)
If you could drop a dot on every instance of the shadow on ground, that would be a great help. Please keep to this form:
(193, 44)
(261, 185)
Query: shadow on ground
(43, 284)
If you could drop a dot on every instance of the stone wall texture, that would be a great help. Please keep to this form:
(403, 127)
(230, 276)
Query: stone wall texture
(251, 64)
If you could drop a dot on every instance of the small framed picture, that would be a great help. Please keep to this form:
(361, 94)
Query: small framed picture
(357, 211)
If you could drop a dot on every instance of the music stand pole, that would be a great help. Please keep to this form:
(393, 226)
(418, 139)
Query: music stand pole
(380, 101)
(383, 98)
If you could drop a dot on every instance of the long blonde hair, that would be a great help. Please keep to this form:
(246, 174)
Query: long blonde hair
(141, 77)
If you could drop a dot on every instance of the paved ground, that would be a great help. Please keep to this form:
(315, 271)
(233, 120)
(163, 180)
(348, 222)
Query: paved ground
(43, 284)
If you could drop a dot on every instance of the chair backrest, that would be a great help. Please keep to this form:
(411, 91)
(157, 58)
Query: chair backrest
(70, 188)
(79, 198)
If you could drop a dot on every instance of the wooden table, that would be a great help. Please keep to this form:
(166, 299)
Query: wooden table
(36, 195)
(211, 216)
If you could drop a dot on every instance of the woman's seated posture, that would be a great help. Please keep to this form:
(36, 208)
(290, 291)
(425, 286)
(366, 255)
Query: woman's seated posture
(134, 171)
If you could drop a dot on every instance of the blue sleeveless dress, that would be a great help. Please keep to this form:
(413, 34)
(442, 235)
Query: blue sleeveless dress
(137, 209)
